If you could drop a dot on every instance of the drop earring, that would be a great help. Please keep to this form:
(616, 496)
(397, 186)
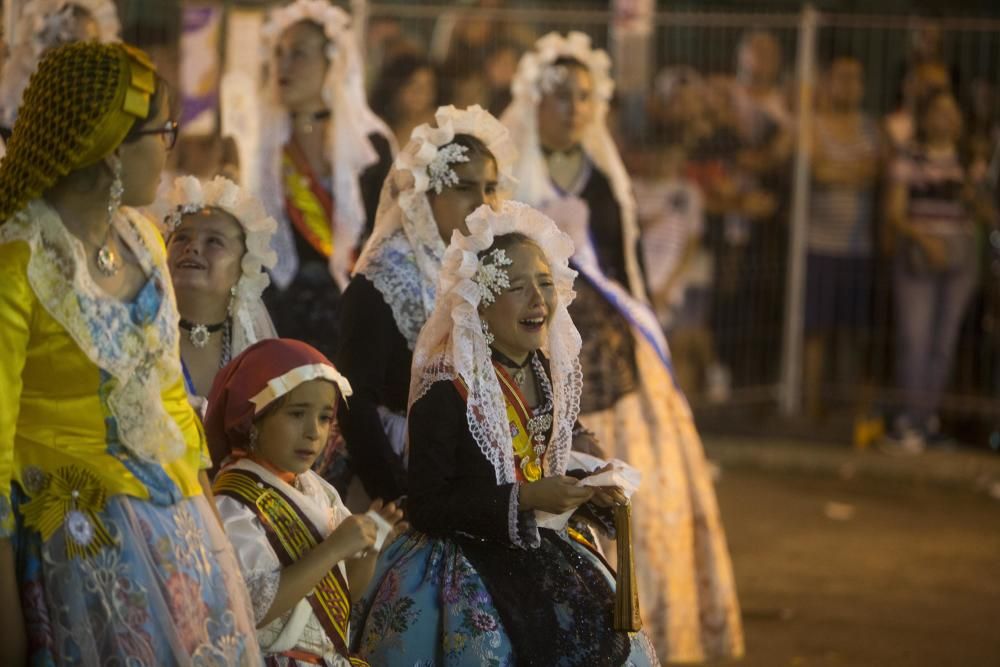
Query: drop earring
(109, 262)
(486, 332)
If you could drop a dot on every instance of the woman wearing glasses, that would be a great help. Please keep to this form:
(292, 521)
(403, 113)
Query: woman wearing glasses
(120, 558)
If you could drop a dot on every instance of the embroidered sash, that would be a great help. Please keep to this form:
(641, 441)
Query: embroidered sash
(292, 535)
(308, 204)
(528, 466)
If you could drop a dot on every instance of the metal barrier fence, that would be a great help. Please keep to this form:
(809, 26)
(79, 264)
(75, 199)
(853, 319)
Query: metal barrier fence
(742, 337)
(759, 261)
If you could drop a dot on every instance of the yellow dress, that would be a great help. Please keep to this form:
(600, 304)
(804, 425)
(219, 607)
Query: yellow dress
(99, 459)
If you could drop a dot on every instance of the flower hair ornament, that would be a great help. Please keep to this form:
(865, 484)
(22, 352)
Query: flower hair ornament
(430, 154)
(347, 146)
(454, 345)
(439, 171)
(403, 255)
(491, 277)
(189, 195)
(539, 74)
(41, 25)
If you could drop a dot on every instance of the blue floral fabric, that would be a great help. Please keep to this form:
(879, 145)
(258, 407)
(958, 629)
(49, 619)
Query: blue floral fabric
(157, 597)
(428, 605)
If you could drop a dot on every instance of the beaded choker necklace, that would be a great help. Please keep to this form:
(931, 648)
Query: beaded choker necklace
(199, 334)
(517, 369)
(310, 118)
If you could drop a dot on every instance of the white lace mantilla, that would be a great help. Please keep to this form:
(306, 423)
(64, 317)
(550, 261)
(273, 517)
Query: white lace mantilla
(392, 267)
(535, 185)
(141, 359)
(452, 343)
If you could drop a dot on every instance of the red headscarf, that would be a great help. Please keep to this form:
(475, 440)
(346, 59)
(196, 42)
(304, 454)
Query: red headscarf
(260, 374)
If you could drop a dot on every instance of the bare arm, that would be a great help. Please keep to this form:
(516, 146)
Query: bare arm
(359, 574)
(353, 535)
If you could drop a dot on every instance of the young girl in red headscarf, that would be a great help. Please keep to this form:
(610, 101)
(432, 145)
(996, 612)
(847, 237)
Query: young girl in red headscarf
(301, 550)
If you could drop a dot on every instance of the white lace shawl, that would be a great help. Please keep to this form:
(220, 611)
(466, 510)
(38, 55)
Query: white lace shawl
(452, 344)
(142, 360)
(403, 256)
(348, 148)
(39, 27)
(521, 118)
(250, 319)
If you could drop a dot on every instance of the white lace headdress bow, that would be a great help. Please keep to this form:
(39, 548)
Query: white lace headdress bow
(403, 256)
(251, 321)
(41, 25)
(453, 345)
(348, 147)
(537, 74)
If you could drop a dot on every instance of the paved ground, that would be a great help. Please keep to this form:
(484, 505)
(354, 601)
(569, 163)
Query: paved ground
(872, 570)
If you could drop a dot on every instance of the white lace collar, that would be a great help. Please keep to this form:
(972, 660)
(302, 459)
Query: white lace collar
(142, 360)
(394, 268)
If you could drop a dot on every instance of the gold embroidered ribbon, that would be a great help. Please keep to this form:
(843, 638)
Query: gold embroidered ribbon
(309, 206)
(292, 536)
(518, 415)
(73, 498)
(528, 464)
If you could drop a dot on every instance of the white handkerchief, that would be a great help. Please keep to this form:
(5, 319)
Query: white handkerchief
(382, 526)
(621, 475)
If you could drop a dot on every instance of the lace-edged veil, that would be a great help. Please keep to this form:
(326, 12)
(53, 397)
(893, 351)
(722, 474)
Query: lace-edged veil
(452, 343)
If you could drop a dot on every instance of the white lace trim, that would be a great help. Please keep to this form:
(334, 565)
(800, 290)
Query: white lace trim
(452, 344)
(430, 146)
(392, 266)
(348, 148)
(513, 523)
(403, 206)
(188, 195)
(142, 360)
(262, 585)
(521, 118)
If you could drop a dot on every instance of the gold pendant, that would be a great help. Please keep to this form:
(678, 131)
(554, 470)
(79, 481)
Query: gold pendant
(108, 261)
(531, 470)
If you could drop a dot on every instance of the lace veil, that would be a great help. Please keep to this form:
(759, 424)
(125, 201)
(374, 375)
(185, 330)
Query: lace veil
(403, 255)
(41, 25)
(250, 320)
(452, 343)
(533, 78)
(348, 147)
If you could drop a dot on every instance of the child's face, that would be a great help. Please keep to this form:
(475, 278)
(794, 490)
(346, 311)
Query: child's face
(291, 437)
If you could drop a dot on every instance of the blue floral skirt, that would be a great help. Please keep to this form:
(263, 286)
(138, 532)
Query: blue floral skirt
(168, 592)
(428, 605)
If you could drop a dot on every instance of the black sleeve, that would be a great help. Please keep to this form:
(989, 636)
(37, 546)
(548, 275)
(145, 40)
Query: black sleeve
(372, 179)
(453, 487)
(363, 356)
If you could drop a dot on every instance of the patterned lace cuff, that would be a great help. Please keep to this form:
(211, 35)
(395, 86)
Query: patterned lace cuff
(262, 586)
(521, 526)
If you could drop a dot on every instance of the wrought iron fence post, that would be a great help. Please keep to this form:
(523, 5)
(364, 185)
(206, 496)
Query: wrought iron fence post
(790, 388)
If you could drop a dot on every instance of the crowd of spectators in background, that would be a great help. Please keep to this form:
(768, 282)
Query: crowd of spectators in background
(903, 275)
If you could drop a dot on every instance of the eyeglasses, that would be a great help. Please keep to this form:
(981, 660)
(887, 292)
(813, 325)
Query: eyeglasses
(168, 132)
